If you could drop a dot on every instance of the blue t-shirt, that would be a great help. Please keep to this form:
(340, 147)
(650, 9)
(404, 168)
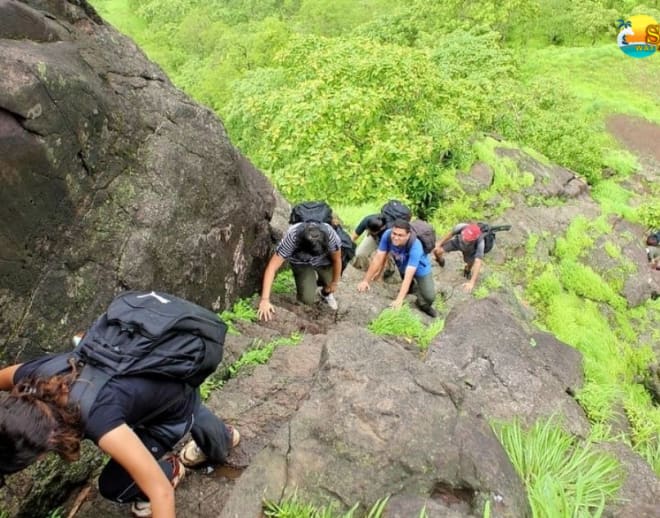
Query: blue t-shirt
(403, 257)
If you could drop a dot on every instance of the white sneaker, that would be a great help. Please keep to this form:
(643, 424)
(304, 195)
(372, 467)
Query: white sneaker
(331, 301)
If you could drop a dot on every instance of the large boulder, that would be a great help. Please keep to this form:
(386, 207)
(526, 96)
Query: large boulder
(111, 179)
(506, 370)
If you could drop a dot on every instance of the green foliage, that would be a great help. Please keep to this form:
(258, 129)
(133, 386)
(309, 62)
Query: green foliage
(614, 199)
(507, 178)
(213, 382)
(492, 282)
(294, 507)
(649, 214)
(56, 513)
(584, 282)
(571, 298)
(579, 239)
(284, 282)
(563, 476)
(406, 324)
(366, 121)
(351, 215)
(241, 311)
(260, 353)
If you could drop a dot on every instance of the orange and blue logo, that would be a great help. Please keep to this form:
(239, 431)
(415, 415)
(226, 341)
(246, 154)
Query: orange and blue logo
(639, 36)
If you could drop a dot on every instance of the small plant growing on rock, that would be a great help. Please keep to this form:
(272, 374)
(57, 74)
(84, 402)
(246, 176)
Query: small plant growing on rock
(242, 310)
(405, 324)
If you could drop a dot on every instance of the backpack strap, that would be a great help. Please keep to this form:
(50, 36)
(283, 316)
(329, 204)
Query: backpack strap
(87, 387)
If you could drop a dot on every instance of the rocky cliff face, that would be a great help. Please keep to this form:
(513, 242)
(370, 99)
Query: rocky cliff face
(111, 179)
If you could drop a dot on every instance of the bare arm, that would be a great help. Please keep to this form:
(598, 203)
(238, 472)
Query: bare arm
(444, 239)
(7, 377)
(476, 268)
(405, 286)
(266, 309)
(125, 447)
(336, 271)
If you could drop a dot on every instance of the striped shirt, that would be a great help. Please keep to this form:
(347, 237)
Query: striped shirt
(288, 246)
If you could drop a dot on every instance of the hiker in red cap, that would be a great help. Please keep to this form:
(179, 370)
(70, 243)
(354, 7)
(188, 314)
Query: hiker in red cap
(468, 238)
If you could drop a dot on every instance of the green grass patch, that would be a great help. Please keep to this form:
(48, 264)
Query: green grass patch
(294, 507)
(241, 311)
(563, 477)
(405, 324)
(582, 309)
(258, 354)
(261, 352)
(351, 215)
(284, 282)
(587, 74)
(614, 199)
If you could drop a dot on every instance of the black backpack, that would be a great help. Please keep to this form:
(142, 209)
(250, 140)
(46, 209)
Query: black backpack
(425, 233)
(488, 234)
(150, 333)
(311, 211)
(393, 210)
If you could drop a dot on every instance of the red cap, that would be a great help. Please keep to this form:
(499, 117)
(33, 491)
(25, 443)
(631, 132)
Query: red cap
(470, 232)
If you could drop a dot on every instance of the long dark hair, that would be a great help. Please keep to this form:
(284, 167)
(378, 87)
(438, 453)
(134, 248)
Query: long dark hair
(36, 417)
(313, 240)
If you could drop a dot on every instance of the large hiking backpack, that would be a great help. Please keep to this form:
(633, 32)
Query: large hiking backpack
(425, 233)
(311, 211)
(488, 234)
(393, 210)
(150, 333)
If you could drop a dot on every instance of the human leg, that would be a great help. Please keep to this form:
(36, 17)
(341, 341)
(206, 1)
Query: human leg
(305, 277)
(426, 294)
(324, 279)
(212, 437)
(117, 485)
(364, 251)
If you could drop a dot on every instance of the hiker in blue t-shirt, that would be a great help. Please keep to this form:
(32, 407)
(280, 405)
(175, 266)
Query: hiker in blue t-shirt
(413, 265)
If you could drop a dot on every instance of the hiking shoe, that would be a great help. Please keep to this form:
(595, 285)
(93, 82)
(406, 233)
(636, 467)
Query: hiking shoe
(192, 455)
(141, 509)
(429, 310)
(329, 299)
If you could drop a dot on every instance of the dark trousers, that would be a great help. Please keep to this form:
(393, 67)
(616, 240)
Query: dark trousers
(209, 432)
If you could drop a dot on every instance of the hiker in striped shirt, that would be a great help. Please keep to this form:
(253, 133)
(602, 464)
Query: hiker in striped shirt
(314, 253)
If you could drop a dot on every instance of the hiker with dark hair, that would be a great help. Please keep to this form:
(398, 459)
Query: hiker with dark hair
(413, 264)
(313, 250)
(468, 239)
(374, 225)
(135, 419)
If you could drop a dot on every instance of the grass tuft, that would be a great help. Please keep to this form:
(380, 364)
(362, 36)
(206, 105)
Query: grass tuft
(405, 324)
